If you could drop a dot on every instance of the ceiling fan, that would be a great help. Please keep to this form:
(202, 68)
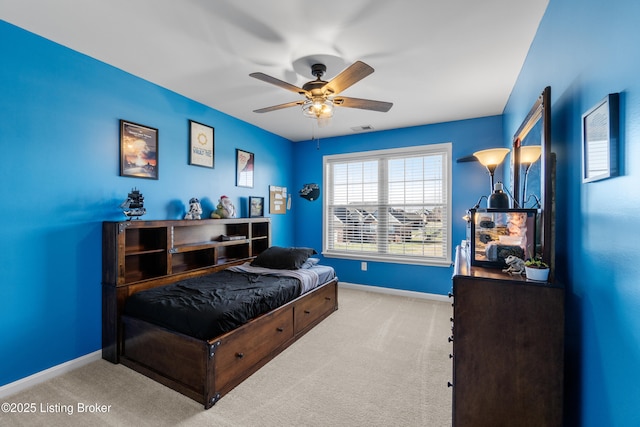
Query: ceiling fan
(321, 96)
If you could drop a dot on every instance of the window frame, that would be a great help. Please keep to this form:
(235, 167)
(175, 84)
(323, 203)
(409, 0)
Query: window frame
(443, 149)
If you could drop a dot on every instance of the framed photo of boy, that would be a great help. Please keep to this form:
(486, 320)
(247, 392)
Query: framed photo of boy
(138, 150)
(244, 168)
(201, 145)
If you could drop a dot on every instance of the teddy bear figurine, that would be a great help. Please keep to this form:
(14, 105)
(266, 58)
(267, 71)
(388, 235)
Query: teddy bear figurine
(225, 209)
(195, 209)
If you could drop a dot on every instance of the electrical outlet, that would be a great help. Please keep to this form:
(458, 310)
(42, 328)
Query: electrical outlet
(363, 266)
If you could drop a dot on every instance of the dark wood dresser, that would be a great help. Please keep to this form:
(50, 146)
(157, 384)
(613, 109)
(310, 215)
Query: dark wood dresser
(508, 349)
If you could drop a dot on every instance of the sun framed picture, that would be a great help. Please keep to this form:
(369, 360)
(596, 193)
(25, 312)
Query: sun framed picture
(201, 145)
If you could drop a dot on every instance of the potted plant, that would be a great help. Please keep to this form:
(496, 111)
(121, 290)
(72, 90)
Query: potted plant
(536, 269)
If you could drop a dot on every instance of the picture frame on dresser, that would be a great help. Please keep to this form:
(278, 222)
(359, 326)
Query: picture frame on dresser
(138, 150)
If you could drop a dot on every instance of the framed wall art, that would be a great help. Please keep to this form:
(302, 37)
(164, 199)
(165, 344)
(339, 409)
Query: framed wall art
(244, 168)
(256, 206)
(138, 150)
(600, 140)
(201, 145)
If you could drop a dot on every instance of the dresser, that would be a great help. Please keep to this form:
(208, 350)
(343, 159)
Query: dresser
(508, 348)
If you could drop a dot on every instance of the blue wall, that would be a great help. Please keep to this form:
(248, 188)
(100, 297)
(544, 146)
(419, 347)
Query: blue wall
(470, 181)
(59, 114)
(59, 167)
(584, 50)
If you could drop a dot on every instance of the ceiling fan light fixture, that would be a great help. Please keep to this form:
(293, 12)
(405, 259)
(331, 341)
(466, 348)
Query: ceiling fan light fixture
(318, 108)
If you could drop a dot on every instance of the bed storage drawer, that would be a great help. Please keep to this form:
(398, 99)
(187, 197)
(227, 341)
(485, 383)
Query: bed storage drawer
(311, 310)
(250, 344)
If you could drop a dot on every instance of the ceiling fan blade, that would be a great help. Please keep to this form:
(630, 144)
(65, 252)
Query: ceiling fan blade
(364, 104)
(278, 107)
(279, 83)
(351, 75)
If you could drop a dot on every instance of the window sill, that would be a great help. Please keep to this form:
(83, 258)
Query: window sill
(429, 262)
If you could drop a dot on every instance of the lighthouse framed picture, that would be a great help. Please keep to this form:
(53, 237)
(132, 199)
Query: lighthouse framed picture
(138, 150)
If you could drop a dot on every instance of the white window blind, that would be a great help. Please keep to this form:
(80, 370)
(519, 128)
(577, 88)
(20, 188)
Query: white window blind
(389, 205)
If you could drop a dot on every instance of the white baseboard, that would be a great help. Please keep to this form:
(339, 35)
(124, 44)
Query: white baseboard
(47, 374)
(398, 292)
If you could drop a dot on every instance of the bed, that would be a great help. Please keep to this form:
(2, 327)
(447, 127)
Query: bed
(204, 335)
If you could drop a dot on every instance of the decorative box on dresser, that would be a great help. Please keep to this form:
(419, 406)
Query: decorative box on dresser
(508, 348)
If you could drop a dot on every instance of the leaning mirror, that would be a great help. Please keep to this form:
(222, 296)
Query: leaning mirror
(532, 169)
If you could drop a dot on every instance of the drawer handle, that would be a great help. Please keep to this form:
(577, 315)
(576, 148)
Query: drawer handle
(450, 339)
(239, 355)
(280, 329)
(327, 298)
(307, 312)
(449, 384)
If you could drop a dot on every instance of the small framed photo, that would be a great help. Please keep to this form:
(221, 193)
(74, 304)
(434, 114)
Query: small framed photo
(600, 126)
(138, 150)
(256, 206)
(244, 168)
(201, 145)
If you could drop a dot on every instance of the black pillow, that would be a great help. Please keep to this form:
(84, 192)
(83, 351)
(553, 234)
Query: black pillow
(280, 258)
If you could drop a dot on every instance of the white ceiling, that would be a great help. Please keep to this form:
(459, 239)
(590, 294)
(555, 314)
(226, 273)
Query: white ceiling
(436, 60)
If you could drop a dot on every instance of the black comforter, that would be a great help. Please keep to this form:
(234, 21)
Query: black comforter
(208, 306)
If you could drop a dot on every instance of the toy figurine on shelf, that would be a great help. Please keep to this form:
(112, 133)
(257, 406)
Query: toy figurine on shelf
(133, 207)
(225, 209)
(195, 209)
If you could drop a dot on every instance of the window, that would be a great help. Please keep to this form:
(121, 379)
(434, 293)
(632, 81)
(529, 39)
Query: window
(389, 205)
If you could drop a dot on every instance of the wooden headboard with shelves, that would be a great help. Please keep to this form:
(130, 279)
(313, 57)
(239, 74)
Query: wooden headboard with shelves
(139, 255)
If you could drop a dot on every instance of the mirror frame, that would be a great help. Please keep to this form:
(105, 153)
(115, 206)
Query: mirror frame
(541, 110)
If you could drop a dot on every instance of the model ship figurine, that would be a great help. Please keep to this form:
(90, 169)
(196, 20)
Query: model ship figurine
(133, 207)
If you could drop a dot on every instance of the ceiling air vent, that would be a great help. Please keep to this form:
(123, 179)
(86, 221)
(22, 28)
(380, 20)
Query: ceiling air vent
(365, 128)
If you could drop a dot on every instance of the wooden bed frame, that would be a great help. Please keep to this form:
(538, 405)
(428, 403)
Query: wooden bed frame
(204, 370)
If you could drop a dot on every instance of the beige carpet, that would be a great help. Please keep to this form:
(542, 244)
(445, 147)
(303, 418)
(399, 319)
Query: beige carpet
(380, 360)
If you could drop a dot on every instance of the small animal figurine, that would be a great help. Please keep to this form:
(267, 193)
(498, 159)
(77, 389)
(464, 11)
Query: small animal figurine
(515, 265)
(225, 209)
(195, 209)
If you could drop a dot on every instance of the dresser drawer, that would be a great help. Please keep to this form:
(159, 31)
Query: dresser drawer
(312, 308)
(249, 345)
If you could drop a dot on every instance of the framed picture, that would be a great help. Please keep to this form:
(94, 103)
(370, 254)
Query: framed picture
(600, 140)
(138, 150)
(244, 168)
(256, 206)
(201, 145)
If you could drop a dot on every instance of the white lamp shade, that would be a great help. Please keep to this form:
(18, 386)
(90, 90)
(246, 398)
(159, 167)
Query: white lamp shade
(530, 153)
(492, 156)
